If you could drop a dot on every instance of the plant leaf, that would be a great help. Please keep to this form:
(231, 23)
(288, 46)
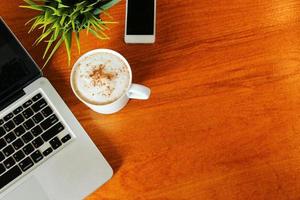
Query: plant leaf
(57, 30)
(50, 42)
(88, 28)
(62, 20)
(77, 41)
(43, 36)
(86, 10)
(73, 24)
(97, 11)
(59, 20)
(30, 2)
(54, 50)
(60, 5)
(97, 35)
(96, 24)
(110, 4)
(57, 12)
(29, 21)
(106, 13)
(37, 22)
(33, 7)
(93, 4)
(67, 37)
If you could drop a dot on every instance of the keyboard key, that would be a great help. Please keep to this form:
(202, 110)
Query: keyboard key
(2, 131)
(8, 150)
(55, 143)
(66, 138)
(18, 119)
(49, 122)
(37, 97)
(47, 111)
(2, 143)
(9, 176)
(2, 168)
(37, 142)
(37, 118)
(27, 103)
(36, 130)
(19, 155)
(36, 156)
(27, 137)
(26, 164)
(39, 105)
(18, 144)
(27, 113)
(9, 162)
(47, 151)
(8, 117)
(1, 156)
(10, 137)
(1, 121)
(28, 124)
(18, 110)
(20, 130)
(28, 149)
(9, 126)
(53, 131)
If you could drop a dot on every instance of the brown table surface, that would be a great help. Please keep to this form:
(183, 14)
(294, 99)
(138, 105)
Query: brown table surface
(223, 121)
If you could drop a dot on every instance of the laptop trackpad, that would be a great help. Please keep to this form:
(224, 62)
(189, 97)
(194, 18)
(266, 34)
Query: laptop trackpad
(30, 189)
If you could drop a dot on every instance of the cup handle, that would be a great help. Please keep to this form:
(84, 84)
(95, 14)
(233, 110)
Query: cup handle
(137, 91)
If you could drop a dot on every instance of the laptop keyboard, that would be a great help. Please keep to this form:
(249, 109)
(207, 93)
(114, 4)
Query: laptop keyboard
(28, 135)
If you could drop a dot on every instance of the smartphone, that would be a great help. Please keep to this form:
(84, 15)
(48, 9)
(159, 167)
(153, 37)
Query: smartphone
(140, 21)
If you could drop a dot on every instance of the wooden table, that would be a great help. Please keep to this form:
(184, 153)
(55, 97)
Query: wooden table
(223, 121)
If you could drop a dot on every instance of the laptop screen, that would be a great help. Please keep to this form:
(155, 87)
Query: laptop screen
(16, 67)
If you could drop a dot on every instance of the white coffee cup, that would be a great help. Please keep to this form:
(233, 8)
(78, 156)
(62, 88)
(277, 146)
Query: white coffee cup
(133, 91)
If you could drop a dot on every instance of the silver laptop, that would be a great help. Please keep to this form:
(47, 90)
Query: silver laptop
(44, 152)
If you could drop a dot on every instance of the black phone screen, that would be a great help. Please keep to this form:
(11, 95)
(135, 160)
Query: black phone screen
(140, 17)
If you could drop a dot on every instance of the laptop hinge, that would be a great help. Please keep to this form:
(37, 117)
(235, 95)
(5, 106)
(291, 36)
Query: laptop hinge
(10, 99)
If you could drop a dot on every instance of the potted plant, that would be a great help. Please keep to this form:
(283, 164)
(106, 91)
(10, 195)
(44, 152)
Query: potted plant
(60, 18)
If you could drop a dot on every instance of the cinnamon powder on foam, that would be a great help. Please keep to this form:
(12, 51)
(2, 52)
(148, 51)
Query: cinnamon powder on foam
(98, 75)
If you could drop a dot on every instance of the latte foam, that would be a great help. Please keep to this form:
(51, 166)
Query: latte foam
(101, 78)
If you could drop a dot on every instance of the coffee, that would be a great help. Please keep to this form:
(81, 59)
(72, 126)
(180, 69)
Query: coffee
(101, 78)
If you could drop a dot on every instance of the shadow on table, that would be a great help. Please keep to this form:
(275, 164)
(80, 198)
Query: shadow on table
(110, 152)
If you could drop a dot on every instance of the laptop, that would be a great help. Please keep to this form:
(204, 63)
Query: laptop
(45, 154)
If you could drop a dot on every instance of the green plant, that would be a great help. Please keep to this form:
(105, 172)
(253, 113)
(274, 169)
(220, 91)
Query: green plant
(60, 18)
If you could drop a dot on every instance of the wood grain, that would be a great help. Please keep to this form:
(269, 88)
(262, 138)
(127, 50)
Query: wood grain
(223, 121)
